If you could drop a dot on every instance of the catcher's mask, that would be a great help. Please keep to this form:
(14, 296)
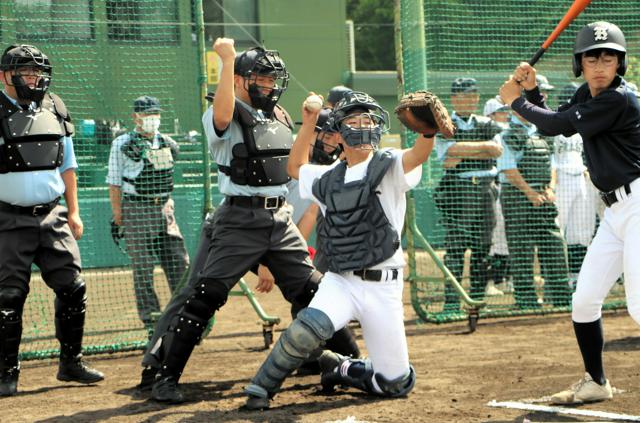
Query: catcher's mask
(360, 120)
(324, 153)
(260, 62)
(25, 61)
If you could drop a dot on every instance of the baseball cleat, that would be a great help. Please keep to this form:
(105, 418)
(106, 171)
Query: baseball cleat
(585, 390)
(9, 381)
(75, 369)
(166, 390)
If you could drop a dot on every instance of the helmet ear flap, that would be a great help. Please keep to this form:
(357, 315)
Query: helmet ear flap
(622, 68)
(577, 65)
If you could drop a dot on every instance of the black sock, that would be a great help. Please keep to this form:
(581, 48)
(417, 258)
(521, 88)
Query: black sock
(591, 342)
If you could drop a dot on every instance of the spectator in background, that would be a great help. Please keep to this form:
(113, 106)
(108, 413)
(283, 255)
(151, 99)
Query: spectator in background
(466, 193)
(530, 214)
(140, 182)
(499, 252)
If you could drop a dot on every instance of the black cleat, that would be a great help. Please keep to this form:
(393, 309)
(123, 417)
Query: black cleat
(166, 390)
(75, 369)
(147, 379)
(9, 381)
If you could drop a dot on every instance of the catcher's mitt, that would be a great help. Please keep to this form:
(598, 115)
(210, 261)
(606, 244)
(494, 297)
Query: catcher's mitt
(424, 113)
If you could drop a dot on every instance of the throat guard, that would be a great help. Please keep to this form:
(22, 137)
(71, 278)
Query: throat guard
(356, 233)
(32, 138)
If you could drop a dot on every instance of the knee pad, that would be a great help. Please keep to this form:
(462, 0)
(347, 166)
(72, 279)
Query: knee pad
(210, 295)
(309, 289)
(12, 298)
(397, 387)
(73, 296)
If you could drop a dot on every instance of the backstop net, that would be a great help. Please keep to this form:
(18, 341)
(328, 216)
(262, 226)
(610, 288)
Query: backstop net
(510, 212)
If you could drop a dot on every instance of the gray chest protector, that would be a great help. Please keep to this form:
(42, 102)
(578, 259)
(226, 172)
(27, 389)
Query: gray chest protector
(33, 138)
(356, 233)
(535, 165)
(156, 177)
(261, 160)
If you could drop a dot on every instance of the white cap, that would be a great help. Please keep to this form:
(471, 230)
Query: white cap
(494, 105)
(543, 83)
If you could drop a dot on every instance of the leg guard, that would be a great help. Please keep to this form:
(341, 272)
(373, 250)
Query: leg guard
(11, 304)
(310, 329)
(187, 327)
(397, 387)
(70, 307)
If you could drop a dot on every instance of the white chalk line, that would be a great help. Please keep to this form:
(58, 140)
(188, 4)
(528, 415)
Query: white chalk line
(563, 410)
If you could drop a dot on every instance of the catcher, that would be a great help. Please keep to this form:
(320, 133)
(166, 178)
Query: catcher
(363, 201)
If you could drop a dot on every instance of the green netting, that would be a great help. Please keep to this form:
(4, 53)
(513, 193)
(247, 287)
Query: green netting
(105, 54)
(485, 41)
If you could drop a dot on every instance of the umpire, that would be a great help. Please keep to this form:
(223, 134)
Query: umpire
(466, 193)
(530, 215)
(249, 138)
(140, 178)
(37, 167)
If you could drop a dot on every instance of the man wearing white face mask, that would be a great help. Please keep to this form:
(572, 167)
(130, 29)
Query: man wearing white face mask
(140, 182)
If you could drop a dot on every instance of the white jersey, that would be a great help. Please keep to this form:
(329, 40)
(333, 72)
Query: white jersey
(567, 154)
(392, 193)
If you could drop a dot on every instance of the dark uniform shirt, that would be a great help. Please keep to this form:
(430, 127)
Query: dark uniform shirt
(609, 125)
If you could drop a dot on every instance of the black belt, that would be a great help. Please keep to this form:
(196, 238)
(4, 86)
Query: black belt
(375, 275)
(143, 199)
(256, 202)
(37, 210)
(610, 198)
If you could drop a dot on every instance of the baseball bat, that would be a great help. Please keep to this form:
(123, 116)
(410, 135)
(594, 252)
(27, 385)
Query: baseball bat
(576, 8)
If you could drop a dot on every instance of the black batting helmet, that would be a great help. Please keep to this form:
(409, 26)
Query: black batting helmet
(600, 35)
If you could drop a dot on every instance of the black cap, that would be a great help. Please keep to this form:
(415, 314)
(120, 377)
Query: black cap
(146, 104)
(337, 93)
(464, 85)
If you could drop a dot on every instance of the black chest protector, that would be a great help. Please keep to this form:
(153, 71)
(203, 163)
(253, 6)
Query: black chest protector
(356, 233)
(156, 177)
(261, 160)
(535, 165)
(33, 138)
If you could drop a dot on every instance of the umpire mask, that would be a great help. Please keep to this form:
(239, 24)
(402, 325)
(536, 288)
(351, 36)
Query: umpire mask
(324, 153)
(25, 61)
(257, 62)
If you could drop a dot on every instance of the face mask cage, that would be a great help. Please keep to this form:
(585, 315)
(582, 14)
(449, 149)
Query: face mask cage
(29, 62)
(269, 64)
(367, 131)
(324, 153)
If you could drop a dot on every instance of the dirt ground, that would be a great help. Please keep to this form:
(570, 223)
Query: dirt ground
(458, 373)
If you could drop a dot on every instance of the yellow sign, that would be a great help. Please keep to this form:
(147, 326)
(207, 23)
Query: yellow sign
(213, 68)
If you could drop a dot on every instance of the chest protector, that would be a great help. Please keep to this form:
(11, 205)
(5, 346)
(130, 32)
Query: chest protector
(156, 177)
(261, 159)
(356, 233)
(33, 138)
(535, 165)
(481, 129)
